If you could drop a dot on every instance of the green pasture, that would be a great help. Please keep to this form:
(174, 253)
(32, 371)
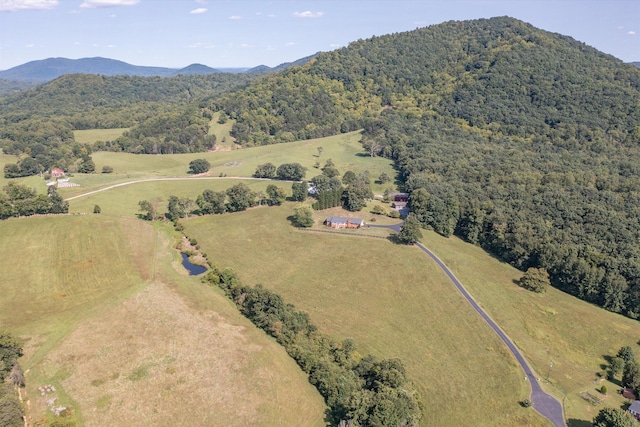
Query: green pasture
(123, 201)
(110, 318)
(550, 328)
(90, 136)
(222, 132)
(345, 151)
(389, 298)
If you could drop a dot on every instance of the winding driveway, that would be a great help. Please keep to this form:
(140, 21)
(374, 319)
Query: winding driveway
(546, 405)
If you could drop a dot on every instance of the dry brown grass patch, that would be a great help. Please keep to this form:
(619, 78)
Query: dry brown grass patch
(154, 360)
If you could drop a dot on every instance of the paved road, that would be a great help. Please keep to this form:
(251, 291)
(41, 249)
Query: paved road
(544, 403)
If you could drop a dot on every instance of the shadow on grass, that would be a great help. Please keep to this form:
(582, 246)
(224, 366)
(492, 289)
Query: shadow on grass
(578, 423)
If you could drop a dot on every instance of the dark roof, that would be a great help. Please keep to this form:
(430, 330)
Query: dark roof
(343, 220)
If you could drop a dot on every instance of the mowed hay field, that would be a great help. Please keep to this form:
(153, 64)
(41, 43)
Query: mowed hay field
(389, 298)
(345, 151)
(113, 322)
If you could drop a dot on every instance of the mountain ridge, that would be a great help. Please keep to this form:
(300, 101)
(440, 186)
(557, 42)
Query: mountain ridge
(44, 70)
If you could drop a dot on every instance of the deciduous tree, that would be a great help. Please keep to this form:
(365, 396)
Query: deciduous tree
(410, 231)
(199, 166)
(535, 279)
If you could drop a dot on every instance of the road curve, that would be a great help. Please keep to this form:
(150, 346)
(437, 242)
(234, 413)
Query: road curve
(545, 404)
(137, 181)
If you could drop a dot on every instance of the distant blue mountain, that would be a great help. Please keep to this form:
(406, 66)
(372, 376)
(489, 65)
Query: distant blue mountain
(51, 68)
(636, 64)
(195, 69)
(45, 70)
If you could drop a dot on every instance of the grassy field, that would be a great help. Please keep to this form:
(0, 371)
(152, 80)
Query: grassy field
(345, 151)
(386, 297)
(549, 328)
(224, 140)
(123, 201)
(395, 303)
(113, 322)
(95, 135)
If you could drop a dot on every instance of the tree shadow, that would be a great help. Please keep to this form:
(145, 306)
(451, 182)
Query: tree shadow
(571, 422)
(292, 221)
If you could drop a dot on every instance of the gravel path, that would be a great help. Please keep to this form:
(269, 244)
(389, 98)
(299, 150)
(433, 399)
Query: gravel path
(122, 184)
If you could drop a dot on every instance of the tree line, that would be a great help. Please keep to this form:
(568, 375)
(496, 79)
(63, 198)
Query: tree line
(234, 199)
(364, 391)
(19, 200)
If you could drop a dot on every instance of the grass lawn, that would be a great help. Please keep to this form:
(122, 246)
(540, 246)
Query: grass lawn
(111, 319)
(94, 135)
(389, 299)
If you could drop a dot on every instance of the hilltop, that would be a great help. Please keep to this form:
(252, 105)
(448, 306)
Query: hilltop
(501, 74)
(522, 141)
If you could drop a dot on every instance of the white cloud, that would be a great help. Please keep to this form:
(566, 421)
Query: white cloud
(632, 33)
(111, 45)
(271, 15)
(308, 14)
(235, 17)
(290, 44)
(201, 46)
(108, 3)
(201, 1)
(113, 15)
(245, 45)
(271, 48)
(30, 45)
(335, 45)
(198, 11)
(14, 5)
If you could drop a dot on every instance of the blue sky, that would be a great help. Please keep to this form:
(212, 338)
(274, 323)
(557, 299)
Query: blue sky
(246, 33)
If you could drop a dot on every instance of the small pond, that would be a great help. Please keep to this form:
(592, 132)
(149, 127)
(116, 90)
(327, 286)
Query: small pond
(193, 269)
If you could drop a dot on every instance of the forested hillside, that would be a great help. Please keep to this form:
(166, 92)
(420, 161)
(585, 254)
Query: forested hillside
(163, 113)
(498, 74)
(520, 140)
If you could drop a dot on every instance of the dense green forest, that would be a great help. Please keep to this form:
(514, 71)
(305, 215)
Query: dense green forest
(520, 140)
(500, 75)
(574, 211)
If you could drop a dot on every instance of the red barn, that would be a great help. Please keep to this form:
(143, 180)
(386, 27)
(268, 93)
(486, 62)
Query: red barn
(56, 173)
